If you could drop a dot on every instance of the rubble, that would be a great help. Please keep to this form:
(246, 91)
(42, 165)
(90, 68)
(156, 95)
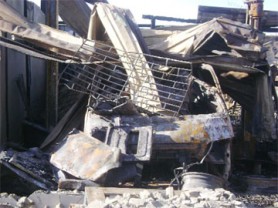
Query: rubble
(202, 197)
(52, 199)
(124, 197)
(7, 199)
(142, 103)
(32, 165)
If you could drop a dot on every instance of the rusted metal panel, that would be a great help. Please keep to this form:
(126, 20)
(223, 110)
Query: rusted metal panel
(198, 128)
(85, 157)
(194, 129)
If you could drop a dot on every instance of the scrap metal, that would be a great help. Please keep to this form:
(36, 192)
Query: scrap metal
(142, 85)
(85, 157)
(141, 104)
(236, 38)
(106, 79)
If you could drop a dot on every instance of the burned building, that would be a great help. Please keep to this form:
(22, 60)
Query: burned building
(178, 102)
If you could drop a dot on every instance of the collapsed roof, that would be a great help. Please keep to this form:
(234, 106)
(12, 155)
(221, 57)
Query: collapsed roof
(233, 49)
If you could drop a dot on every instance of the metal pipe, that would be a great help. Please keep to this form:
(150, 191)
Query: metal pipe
(255, 13)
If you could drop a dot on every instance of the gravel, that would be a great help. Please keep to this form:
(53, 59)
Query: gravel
(194, 197)
(258, 200)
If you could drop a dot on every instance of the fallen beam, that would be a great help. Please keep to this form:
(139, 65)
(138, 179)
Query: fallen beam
(55, 42)
(117, 22)
(119, 191)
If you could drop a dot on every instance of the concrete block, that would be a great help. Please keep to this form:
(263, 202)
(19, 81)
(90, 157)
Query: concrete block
(145, 194)
(158, 195)
(194, 200)
(96, 204)
(239, 203)
(24, 202)
(193, 193)
(214, 204)
(111, 200)
(59, 206)
(183, 196)
(186, 202)
(220, 190)
(92, 194)
(150, 205)
(14, 196)
(51, 199)
(232, 197)
(177, 201)
(136, 202)
(6, 199)
(77, 206)
(154, 204)
(202, 204)
(169, 192)
(126, 196)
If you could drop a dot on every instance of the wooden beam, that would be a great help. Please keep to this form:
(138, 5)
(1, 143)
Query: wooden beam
(3, 109)
(16, 67)
(142, 85)
(207, 13)
(71, 120)
(38, 35)
(50, 8)
(117, 191)
(171, 19)
(36, 73)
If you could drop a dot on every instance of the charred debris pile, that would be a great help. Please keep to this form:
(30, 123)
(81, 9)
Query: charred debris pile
(148, 101)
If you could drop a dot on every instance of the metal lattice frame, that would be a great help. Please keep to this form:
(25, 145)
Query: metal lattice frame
(153, 83)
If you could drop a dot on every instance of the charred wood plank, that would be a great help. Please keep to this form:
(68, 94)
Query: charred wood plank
(26, 176)
(117, 25)
(75, 184)
(71, 120)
